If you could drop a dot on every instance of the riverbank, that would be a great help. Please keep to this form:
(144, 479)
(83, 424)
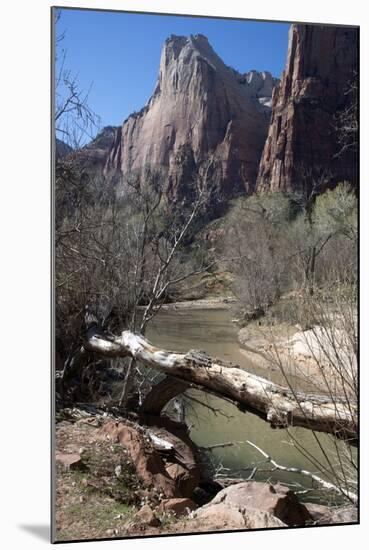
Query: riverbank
(270, 345)
(271, 342)
(105, 487)
(279, 348)
(118, 477)
(216, 302)
(321, 356)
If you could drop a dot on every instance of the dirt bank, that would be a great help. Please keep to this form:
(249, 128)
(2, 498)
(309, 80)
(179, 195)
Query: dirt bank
(318, 356)
(216, 302)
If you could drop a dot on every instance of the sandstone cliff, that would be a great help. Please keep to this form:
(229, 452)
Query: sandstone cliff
(302, 137)
(96, 152)
(201, 113)
(93, 156)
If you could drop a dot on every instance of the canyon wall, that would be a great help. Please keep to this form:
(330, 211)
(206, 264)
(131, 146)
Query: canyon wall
(203, 118)
(304, 137)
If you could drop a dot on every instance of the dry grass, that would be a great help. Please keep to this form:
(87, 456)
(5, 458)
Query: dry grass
(93, 502)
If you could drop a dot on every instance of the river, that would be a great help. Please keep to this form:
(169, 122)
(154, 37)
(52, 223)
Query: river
(211, 330)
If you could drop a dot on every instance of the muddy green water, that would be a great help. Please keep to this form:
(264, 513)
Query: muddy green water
(213, 332)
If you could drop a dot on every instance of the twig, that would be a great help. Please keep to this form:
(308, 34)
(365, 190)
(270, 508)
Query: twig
(329, 486)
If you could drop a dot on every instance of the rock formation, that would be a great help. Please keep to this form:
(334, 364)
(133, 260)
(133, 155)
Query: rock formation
(303, 137)
(93, 155)
(207, 122)
(173, 471)
(96, 152)
(203, 117)
(262, 84)
(277, 500)
(62, 149)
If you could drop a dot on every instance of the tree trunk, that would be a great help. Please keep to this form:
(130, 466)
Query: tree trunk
(161, 394)
(128, 382)
(310, 272)
(276, 404)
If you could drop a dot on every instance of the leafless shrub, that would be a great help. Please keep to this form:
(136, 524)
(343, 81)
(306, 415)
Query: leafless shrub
(253, 249)
(271, 248)
(328, 351)
(346, 120)
(74, 118)
(119, 255)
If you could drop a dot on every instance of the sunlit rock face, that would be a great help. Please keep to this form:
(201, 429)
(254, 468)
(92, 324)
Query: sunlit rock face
(204, 120)
(302, 137)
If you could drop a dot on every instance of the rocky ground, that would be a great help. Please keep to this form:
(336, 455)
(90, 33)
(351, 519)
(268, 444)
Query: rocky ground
(115, 478)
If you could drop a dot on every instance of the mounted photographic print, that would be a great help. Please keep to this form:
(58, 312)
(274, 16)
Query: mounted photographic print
(205, 318)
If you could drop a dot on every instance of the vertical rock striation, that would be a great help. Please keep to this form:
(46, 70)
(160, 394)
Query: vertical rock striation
(303, 137)
(201, 115)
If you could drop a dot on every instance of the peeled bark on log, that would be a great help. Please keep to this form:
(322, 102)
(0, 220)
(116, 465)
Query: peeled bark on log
(276, 404)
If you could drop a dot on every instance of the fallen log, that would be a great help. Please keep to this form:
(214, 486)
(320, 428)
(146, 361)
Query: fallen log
(161, 394)
(278, 405)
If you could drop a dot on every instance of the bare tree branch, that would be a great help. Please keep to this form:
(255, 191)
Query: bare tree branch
(329, 486)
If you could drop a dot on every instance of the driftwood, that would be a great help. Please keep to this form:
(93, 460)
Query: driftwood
(276, 404)
(353, 497)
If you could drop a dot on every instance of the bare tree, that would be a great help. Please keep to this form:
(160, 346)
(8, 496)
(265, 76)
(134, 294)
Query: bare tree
(313, 180)
(253, 249)
(122, 256)
(74, 118)
(158, 258)
(346, 120)
(329, 346)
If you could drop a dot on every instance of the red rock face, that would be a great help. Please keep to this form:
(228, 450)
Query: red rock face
(201, 112)
(302, 136)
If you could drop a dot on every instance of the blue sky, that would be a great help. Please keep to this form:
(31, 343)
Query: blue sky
(119, 53)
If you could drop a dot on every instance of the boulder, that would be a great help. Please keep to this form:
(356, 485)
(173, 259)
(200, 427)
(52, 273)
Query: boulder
(345, 514)
(277, 500)
(326, 515)
(219, 516)
(222, 517)
(70, 461)
(177, 506)
(320, 515)
(146, 515)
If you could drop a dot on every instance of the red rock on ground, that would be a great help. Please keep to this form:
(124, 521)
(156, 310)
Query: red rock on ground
(147, 461)
(276, 500)
(147, 516)
(178, 506)
(70, 461)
